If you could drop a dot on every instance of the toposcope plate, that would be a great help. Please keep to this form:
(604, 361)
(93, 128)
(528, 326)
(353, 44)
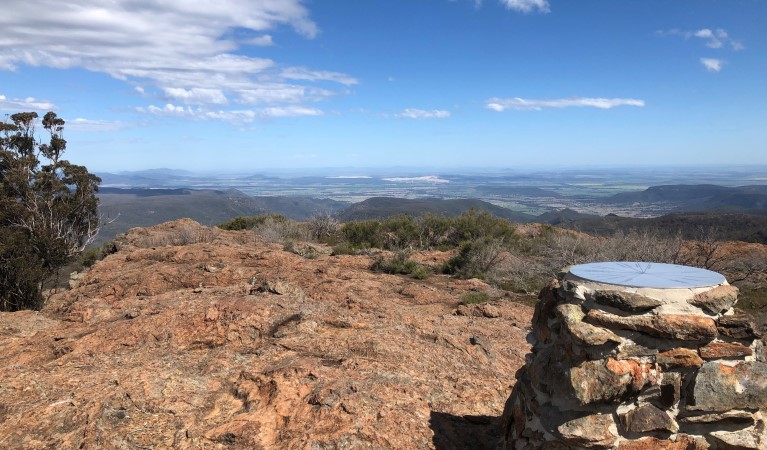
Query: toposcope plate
(647, 275)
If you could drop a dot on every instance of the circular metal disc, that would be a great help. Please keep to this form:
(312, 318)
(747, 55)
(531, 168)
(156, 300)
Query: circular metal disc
(647, 275)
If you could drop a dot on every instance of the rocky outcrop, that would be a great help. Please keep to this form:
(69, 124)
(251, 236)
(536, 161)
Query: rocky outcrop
(197, 338)
(632, 368)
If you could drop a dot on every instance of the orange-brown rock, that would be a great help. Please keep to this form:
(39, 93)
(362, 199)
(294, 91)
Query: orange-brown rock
(592, 431)
(683, 442)
(725, 350)
(679, 357)
(175, 346)
(685, 327)
(717, 300)
(626, 301)
(597, 381)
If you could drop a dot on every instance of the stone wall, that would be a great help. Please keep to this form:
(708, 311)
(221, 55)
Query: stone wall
(632, 368)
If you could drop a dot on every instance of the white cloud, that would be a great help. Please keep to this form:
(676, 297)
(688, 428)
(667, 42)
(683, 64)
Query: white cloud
(234, 116)
(527, 6)
(291, 111)
(503, 104)
(412, 113)
(301, 73)
(260, 41)
(24, 104)
(168, 110)
(81, 124)
(716, 38)
(187, 51)
(712, 64)
(196, 96)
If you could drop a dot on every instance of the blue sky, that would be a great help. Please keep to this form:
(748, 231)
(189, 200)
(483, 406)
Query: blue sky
(247, 85)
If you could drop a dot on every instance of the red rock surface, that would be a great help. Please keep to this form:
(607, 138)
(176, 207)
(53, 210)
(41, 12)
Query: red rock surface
(176, 347)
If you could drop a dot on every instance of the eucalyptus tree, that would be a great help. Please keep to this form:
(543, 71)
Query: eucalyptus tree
(48, 208)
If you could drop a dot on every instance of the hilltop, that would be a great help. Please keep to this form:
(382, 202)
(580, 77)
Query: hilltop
(195, 337)
(192, 337)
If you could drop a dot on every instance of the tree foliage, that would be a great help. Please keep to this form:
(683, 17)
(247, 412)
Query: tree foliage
(48, 208)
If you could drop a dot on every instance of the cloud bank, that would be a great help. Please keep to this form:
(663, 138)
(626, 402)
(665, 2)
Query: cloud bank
(527, 6)
(24, 104)
(418, 114)
(523, 6)
(229, 115)
(716, 38)
(525, 104)
(175, 50)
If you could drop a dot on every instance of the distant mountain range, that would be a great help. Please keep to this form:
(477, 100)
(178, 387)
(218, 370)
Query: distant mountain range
(735, 213)
(130, 208)
(701, 197)
(691, 225)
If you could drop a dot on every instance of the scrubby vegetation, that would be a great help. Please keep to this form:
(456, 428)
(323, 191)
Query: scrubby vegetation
(472, 298)
(492, 249)
(426, 232)
(250, 222)
(400, 263)
(516, 259)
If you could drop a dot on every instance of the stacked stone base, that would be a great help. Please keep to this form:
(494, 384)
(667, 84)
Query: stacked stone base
(626, 368)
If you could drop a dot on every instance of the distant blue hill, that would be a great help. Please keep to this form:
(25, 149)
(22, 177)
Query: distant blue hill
(750, 199)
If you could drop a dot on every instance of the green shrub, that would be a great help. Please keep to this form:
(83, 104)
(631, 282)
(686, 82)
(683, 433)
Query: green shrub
(476, 259)
(344, 248)
(90, 256)
(428, 231)
(363, 234)
(249, 222)
(471, 298)
(421, 272)
(400, 263)
(477, 224)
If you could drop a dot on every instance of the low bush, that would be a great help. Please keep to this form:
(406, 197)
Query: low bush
(428, 231)
(363, 234)
(480, 258)
(324, 227)
(90, 256)
(249, 222)
(401, 264)
(344, 248)
(280, 230)
(303, 250)
(472, 298)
